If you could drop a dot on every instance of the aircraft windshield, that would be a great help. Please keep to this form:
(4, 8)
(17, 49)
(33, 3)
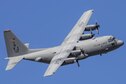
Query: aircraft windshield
(111, 39)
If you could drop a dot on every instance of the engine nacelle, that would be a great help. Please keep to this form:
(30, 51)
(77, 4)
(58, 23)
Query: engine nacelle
(91, 27)
(70, 60)
(75, 53)
(87, 36)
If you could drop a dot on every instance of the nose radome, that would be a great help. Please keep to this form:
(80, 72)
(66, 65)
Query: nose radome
(120, 42)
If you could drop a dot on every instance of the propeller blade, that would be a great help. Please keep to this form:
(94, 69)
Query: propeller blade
(97, 30)
(78, 63)
(97, 27)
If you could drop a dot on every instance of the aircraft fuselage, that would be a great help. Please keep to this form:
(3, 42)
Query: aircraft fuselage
(91, 47)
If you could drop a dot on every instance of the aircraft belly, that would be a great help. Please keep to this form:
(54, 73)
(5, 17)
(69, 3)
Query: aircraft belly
(44, 57)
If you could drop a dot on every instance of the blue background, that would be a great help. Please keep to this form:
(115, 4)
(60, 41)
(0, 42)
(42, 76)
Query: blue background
(45, 23)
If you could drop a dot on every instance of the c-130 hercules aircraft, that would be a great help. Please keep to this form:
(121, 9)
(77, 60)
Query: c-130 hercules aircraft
(75, 47)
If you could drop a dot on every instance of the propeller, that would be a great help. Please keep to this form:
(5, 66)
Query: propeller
(77, 63)
(83, 52)
(97, 27)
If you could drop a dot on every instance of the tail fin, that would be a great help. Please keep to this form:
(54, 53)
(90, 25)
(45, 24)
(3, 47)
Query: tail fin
(15, 48)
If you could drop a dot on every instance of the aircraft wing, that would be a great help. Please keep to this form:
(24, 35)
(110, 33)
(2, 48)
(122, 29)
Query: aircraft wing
(69, 43)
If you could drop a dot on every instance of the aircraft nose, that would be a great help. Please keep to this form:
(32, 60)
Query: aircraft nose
(120, 42)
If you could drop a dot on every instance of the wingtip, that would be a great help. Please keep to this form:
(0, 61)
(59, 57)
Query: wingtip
(92, 10)
(8, 68)
(8, 30)
(89, 11)
(47, 75)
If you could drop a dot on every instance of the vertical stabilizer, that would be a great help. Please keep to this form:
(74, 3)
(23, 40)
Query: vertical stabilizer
(14, 46)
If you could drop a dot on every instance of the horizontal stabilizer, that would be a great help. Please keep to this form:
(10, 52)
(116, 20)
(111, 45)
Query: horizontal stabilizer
(12, 62)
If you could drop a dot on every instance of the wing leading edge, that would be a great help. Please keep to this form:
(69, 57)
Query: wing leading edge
(68, 44)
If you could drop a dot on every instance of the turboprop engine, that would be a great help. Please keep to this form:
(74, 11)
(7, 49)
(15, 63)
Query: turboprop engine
(70, 60)
(92, 27)
(74, 57)
(87, 36)
(75, 53)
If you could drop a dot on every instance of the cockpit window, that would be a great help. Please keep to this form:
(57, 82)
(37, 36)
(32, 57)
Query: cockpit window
(111, 39)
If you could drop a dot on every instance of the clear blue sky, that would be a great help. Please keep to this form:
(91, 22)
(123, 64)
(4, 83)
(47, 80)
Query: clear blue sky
(45, 23)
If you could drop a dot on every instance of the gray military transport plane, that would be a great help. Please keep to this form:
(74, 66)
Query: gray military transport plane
(75, 47)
